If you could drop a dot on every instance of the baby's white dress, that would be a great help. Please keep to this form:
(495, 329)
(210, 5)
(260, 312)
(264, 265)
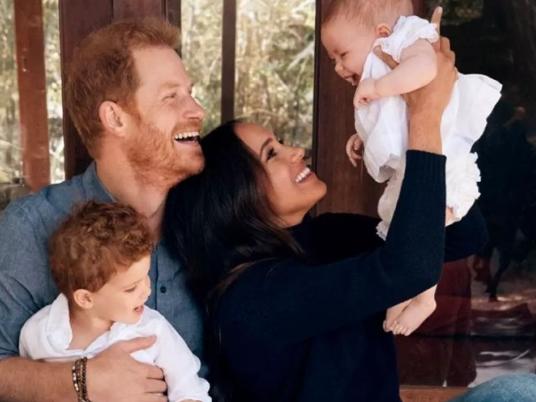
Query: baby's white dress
(382, 125)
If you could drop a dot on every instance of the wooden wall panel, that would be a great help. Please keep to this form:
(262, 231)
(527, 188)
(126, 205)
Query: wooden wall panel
(77, 19)
(32, 92)
(349, 189)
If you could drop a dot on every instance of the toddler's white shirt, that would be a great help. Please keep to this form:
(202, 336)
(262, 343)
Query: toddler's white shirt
(47, 336)
(383, 125)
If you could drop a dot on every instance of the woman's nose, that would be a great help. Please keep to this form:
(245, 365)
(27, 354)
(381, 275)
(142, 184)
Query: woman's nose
(297, 154)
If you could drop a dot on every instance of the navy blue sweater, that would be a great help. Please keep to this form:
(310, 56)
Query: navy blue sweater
(306, 330)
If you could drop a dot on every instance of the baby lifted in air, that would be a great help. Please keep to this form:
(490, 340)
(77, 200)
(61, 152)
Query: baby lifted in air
(351, 29)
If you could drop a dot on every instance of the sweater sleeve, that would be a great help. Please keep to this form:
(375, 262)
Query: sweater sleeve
(467, 236)
(289, 301)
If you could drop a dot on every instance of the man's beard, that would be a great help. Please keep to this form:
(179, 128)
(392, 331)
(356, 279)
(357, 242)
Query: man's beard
(152, 156)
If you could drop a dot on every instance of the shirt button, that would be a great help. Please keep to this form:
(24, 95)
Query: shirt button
(163, 289)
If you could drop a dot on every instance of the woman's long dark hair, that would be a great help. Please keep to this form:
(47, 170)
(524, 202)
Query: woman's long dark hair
(220, 221)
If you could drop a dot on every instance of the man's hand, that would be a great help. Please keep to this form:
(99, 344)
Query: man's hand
(366, 91)
(114, 375)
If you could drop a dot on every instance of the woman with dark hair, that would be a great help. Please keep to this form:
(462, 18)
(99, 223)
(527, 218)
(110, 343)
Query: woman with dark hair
(296, 304)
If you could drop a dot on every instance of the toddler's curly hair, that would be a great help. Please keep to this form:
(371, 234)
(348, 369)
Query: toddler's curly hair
(96, 241)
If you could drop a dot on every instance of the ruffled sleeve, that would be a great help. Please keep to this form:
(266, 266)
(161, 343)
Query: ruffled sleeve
(406, 32)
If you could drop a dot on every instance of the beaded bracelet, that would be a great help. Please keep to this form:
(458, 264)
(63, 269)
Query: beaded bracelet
(78, 371)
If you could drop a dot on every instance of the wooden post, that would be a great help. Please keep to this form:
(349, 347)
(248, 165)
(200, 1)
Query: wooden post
(228, 59)
(77, 19)
(32, 91)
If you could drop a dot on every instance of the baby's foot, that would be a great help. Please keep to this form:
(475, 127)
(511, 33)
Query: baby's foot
(418, 310)
(392, 314)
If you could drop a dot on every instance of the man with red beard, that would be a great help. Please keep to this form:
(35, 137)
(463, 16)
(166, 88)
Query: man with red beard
(131, 102)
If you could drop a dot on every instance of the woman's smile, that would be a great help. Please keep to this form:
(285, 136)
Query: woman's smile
(293, 189)
(304, 174)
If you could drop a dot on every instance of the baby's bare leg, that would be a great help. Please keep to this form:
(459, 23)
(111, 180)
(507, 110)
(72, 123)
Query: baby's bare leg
(392, 314)
(418, 310)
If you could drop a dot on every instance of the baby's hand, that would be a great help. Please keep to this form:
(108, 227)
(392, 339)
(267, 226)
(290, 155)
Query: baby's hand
(353, 147)
(365, 92)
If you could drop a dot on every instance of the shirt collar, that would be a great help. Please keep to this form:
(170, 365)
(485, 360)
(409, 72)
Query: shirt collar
(94, 187)
(58, 327)
(60, 333)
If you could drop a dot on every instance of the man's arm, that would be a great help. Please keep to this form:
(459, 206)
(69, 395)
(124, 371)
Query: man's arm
(24, 286)
(26, 380)
(113, 375)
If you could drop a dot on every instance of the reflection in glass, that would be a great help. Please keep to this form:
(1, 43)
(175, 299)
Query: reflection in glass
(485, 324)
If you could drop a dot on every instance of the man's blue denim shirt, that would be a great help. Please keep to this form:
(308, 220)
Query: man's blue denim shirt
(26, 283)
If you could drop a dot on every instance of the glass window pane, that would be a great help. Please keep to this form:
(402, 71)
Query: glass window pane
(275, 66)
(485, 322)
(201, 22)
(53, 80)
(10, 155)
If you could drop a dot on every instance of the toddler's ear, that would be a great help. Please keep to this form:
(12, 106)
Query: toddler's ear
(83, 298)
(383, 30)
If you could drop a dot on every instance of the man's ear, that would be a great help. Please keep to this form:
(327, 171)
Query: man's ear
(383, 30)
(112, 117)
(83, 298)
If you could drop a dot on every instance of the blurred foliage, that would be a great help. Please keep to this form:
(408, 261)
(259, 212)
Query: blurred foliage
(274, 62)
(10, 165)
(53, 79)
(10, 155)
(201, 51)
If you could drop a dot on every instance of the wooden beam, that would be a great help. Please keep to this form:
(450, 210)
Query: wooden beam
(349, 189)
(228, 59)
(32, 92)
